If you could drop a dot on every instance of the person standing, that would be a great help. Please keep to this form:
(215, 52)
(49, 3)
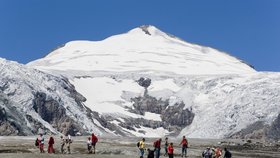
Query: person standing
(50, 147)
(170, 150)
(157, 147)
(41, 142)
(68, 144)
(218, 152)
(166, 146)
(89, 145)
(207, 153)
(227, 153)
(142, 147)
(62, 144)
(184, 144)
(94, 140)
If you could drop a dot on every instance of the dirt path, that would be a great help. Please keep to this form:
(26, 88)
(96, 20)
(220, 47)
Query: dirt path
(23, 147)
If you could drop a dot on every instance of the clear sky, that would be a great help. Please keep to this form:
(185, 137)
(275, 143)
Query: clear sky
(247, 29)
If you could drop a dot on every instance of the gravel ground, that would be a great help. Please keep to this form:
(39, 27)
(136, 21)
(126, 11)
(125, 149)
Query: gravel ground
(23, 147)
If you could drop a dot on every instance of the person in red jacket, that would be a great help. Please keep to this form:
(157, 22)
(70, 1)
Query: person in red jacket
(50, 147)
(184, 144)
(94, 140)
(170, 150)
(157, 147)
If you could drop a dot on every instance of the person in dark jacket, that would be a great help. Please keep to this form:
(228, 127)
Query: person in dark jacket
(151, 153)
(227, 153)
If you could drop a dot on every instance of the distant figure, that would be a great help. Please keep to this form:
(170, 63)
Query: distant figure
(68, 144)
(157, 147)
(89, 145)
(207, 153)
(166, 146)
(141, 146)
(50, 147)
(227, 153)
(151, 153)
(41, 142)
(62, 144)
(170, 150)
(184, 144)
(94, 140)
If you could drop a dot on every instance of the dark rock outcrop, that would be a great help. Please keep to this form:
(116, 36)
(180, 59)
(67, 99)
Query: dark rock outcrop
(174, 118)
(253, 131)
(177, 115)
(274, 130)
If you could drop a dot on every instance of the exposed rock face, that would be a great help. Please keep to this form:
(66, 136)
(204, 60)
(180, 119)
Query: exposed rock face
(53, 113)
(274, 130)
(148, 104)
(260, 130)
(144, 82)
(174, 118)
(254, 131)
(12, 122)
(177, 116)
(31, 100)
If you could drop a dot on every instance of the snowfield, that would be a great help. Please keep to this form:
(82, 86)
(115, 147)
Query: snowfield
(225, 94)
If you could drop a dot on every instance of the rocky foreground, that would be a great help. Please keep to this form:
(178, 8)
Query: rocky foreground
(14, 147)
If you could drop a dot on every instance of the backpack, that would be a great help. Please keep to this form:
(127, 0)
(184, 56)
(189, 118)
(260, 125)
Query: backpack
(36, 142)
(229, 154)
(138, 144)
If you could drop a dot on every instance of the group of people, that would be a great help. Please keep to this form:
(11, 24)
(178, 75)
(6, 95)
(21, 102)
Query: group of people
(215, 153)
(40, 142)
(64, 142)
(91, 143)
(169, 149)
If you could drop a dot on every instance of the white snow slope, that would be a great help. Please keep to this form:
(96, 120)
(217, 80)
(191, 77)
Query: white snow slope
(220, 89)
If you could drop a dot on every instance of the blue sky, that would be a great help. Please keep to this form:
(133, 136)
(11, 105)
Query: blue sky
(247, 29)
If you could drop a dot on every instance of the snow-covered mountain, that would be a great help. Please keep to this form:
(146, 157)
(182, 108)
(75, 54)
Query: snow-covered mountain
(31, 100)
(149, 83)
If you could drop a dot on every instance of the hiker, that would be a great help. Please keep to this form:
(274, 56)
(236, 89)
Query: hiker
(37, 142)
(41, 142)
(151, 153)
(207, 153)
(218, 152)
(157, 147)
(141, 146)
(89, 145)
(184, 144)
(227, 153)
(62, 144)
(166, 146)
(68, 144)
(170, 150)
(50, 147)
(94, 140)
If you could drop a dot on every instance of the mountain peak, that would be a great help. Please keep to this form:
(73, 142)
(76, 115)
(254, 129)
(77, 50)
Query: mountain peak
(148, 30)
